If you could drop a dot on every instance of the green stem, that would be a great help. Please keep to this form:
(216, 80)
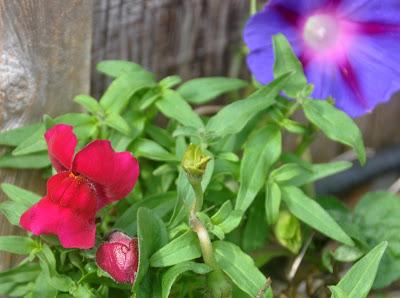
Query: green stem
(198, 192)
(253, 7)
(205, 242)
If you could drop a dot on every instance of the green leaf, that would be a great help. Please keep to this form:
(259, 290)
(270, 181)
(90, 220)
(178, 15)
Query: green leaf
(32, 161)
(223, 213)
(32, 144)
(311, 213)
(170, 276)
(118, 123)
(15, 282)
(116, 68)
(117, 96)
(160, 204)
(377, 217)
(202, 90)
(233, 117)
(335, 124)
(20, 201)
(152, 234)
(272, 202)
(16, 136)
(170, 81)
(260, 153)
(240, 268)
(17, 244)
(232, 221)
(357, 282)
(151, 150)
(255, 231)
(20, 195)
(89, 103)
(184, 248)
(286, 61)
(318, 171)
(174, 106)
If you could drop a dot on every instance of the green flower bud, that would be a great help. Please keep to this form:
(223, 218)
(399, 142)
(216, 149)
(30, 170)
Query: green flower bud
(194, 162)
(288, 231)
(219, 285)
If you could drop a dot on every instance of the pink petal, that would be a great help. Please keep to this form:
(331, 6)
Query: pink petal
(67, 211)
(61, 142)
(119, 260)
(113, 174)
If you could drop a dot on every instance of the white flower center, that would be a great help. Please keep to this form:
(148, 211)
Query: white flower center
(321, 32)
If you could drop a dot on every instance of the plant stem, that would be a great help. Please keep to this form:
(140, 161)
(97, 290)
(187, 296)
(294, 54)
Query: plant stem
(205, 242)
(198, 194)
(253, 7)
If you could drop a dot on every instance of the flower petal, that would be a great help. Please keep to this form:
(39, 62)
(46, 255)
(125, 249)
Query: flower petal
(328, 81)
(61, 142)
(369, 75)
(119, 260)
(258, 37)
(303, 7)
(113, 174)
(67, 211)
(371, 10)
(46, 217)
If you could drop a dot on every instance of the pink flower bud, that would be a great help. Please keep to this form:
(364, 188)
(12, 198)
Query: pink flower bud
(119, 257)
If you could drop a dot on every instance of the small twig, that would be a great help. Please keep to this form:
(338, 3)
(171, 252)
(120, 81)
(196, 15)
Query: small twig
(297, 261)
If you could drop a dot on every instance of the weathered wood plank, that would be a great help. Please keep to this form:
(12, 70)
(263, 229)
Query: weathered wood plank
(44, 62)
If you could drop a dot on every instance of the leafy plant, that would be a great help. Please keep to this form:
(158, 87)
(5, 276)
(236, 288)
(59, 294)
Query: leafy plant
(218, 196)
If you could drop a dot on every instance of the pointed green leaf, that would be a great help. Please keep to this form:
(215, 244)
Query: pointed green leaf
(170, 276)
(174, 106)
(311, 213)
(16, 136)
(240, 268)
(233, 117)
(184, 248)
(335, 124)
(202, 90)
(260, 153)
(357, 282)
(17, 244)
(286, 61)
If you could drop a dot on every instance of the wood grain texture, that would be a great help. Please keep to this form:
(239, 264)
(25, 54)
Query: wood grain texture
(189, 38)
(200, 38)
(44, 62)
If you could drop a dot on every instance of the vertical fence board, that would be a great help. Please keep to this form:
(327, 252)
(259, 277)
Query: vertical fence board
(44, 61)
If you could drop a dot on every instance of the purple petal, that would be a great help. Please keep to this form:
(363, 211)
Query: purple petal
(384, 11)
(369, 76)
(258, 37)
(262, 26)
(303, 7)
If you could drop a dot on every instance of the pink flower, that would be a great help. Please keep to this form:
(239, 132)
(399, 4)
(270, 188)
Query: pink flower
(85, 183)
(119, 257)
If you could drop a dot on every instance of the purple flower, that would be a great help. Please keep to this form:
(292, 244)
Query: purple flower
(350, 49)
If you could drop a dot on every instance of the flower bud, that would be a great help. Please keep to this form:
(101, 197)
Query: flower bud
(288, 231)
(118, 256)
(194, 162)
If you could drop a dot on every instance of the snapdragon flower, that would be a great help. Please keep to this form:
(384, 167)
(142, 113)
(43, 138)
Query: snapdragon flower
(119, 257)
(86, 182)
(350, 49)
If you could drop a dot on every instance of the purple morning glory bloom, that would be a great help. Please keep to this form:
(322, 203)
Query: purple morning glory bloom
(350, 49)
